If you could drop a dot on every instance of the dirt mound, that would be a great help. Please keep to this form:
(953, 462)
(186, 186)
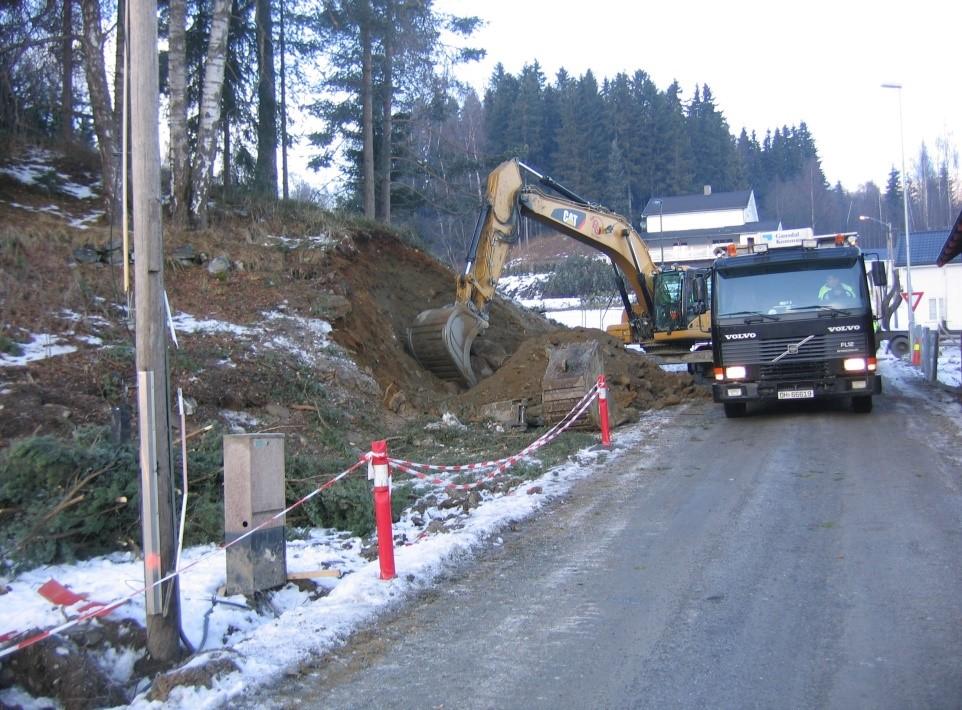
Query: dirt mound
(636, 383)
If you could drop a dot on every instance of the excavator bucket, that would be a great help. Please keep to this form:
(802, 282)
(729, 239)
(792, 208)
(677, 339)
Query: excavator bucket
(572, 370)
(440, 340)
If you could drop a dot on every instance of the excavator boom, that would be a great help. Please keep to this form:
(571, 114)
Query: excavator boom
(441, 338)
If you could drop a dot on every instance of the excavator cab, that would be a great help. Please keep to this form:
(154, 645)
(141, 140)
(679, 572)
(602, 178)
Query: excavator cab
(681, 296)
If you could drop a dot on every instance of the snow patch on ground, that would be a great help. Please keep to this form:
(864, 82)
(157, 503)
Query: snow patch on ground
(318, 241)
(239, 422)
(40, 346)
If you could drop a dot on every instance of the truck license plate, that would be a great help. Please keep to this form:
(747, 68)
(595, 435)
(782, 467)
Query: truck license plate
(796, 394)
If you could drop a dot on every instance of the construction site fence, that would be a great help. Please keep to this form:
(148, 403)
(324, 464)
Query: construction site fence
(378, 465)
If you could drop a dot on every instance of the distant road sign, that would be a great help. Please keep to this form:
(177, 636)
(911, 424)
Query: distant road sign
(917, 296)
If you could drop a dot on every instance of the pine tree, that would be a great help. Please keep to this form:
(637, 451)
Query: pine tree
(713, 148)
(595, 137)
(500, 100)
(617, 192)
(673, 160)
(265, 170)
(641, 159)
(619, 189)
(529, 121)
(893, 201)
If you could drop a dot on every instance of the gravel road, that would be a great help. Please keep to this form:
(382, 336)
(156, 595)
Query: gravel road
(798, 558)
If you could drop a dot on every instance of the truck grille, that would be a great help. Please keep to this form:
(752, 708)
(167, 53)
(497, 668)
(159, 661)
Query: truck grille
(763, 352)
(793, 371)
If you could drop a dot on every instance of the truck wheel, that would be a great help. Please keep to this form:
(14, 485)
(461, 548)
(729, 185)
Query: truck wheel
(862, 405)
(899, 346)
(734, 410)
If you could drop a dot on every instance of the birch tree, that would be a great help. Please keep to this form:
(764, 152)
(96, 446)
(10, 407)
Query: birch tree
(210, 104)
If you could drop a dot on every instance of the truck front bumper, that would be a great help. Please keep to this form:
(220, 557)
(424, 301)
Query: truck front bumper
(750, 391)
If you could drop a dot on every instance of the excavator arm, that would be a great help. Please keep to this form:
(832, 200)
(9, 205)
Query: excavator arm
(606, 231)
(441, 338)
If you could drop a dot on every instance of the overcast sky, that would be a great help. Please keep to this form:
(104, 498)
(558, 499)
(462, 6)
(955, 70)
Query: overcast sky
(768, 64)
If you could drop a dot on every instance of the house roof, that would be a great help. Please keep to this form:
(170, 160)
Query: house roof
(953, 244)
(732, 231)
(683, 204)
(926, 247)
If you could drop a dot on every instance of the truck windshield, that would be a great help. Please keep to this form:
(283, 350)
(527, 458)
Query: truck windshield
(767, 289)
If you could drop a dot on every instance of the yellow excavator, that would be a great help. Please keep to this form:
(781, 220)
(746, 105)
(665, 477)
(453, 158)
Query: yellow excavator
(668, 315)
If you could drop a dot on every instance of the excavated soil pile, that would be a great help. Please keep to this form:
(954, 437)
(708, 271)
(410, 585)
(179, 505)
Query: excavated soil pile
(635, 382)
(389, 284)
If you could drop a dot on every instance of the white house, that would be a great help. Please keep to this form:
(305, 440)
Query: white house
(693, 228)
(938, 291)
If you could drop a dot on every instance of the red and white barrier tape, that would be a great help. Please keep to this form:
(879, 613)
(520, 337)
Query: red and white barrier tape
(107, 608)
(493, 468)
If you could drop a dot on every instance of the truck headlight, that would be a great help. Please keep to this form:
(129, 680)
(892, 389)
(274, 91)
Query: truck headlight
(736, 372)
(854, 364)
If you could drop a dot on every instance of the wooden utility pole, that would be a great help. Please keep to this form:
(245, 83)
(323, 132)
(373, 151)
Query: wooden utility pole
(153, 387)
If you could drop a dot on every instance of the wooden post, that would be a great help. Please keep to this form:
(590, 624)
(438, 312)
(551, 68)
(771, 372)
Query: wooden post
(153, 396)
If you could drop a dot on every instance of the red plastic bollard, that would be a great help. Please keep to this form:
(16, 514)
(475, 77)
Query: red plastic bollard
(603, 411)
(382, 509)
(916, 353)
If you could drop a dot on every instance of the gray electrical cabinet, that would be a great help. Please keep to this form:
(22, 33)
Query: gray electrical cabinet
(253, 493)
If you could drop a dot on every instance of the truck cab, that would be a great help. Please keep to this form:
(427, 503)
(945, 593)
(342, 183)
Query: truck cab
(793, 323)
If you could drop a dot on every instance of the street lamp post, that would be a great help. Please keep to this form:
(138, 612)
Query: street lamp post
(905, 207)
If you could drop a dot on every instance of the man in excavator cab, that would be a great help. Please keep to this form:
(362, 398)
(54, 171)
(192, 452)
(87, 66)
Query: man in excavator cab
(668, 316)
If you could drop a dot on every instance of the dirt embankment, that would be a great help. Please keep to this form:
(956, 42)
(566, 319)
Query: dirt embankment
(365, 282)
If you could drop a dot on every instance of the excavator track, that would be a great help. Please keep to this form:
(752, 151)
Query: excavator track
(440, 340)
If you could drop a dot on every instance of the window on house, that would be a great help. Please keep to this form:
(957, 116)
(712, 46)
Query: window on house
(936, 309)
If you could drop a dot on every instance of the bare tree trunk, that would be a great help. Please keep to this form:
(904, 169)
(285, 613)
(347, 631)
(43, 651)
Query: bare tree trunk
(177, 78)
(284, 179)
(93, 44)
(66, 61)
(120, 69)
(209, 112)
(265, 169)
(367, 104)
(384, 208)
(226, 169)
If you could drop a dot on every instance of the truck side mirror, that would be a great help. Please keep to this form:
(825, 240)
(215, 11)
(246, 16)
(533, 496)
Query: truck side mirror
(700, 293)
(879, 277)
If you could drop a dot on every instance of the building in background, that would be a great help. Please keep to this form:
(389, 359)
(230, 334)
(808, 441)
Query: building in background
(939, 290)
(695, 229)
